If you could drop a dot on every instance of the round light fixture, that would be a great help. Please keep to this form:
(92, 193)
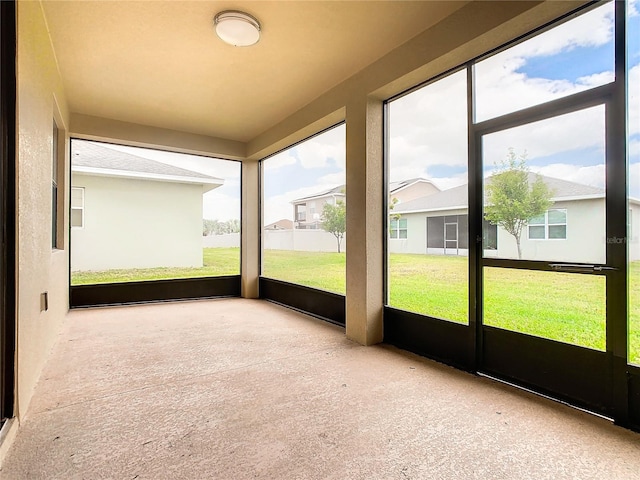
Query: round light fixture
(237, 28)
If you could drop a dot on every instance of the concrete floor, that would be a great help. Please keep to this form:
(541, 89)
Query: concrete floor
(238, 389)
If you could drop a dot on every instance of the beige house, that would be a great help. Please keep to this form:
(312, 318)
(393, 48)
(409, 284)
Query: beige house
(307, 211)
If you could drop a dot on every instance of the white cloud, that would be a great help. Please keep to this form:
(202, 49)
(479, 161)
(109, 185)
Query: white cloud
(428, 128)
(597, 79)
(634, 99)
(279, 160)
(592, 29)
(593, 175)
(317, 151)
(574, 131)
(220, 206)
(502, 89)
(332, 180)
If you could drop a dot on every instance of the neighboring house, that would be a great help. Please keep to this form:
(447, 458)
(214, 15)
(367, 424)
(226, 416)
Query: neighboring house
(307, 211)
(572, 230)
(407, 190)
(132, 212)
(282, 224)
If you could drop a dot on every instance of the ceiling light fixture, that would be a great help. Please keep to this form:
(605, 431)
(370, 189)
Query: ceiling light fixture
(237, 28)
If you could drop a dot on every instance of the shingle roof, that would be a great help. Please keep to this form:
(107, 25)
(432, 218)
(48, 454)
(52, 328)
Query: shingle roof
(339, 190)
(457, 196)
(93, 155)
(393, 186)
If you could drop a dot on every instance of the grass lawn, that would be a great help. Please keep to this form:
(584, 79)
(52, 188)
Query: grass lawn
(216, 262)
(560, 306)
(322, 270)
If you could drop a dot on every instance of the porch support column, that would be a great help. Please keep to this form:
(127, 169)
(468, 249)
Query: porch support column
(365, 246)
(250, 251)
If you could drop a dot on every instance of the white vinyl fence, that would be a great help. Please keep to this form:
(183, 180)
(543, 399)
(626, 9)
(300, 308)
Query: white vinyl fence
(300, 240)
(226, 240)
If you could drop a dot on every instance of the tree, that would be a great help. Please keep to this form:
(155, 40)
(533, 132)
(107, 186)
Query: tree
(209, 226)
(512, 200)
(215, 227)
(392, 205)
(334, 220)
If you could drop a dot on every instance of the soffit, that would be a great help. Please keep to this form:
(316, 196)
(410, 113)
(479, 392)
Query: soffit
(159, 63)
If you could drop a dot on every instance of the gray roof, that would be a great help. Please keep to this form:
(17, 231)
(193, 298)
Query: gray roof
(393, 186)
(457, 196)
(93, 155)
(339, 190)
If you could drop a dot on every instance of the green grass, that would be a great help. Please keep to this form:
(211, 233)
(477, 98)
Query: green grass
(322, 270)
(559, 306)
(216, 262)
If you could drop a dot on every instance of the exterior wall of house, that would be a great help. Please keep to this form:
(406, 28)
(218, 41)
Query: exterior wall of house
(585, 240)
(416, 241)
(137, 224)
(307, 213)
(39, 268)
(416, 190)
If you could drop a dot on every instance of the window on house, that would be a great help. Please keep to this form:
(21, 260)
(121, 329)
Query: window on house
(298, 187)
(551, 225)
(398, 228)
(77, 207)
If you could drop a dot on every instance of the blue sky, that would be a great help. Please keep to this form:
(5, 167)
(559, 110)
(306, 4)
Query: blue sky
(313, 166)
(572, 64)
(563, 60)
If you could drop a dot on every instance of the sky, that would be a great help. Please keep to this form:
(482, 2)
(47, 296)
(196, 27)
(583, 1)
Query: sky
(428, 127)
(428, 131)
(313, 166)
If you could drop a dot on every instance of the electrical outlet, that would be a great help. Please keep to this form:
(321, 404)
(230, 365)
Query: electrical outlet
(44, 301)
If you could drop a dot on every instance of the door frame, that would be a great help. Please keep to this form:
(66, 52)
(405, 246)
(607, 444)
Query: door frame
(7, 207)
(604, 382)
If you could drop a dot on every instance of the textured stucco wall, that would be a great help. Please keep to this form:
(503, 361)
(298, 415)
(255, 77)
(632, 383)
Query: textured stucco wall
(137, 224)
(40, 96)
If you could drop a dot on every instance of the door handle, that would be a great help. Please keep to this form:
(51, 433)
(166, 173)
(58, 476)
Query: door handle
(580, 267)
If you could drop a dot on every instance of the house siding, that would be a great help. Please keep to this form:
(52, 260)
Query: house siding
(413, 191)
(137, 224)
(585, 240)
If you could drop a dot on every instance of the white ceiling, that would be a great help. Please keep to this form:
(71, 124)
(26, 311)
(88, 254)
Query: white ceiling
(160, 63)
